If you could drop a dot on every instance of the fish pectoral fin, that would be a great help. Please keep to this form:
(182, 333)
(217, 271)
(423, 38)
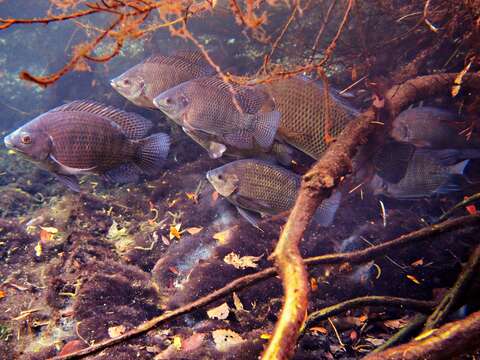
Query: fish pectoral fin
(69, 181)
(265, 128)
(250, 216)
(216, 150)
(64, 169)
(123, 174)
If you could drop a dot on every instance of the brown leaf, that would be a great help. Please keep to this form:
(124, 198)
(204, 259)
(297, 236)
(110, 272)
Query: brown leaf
(220, 312)
(224, 339)
(115, 331)
(242, 262)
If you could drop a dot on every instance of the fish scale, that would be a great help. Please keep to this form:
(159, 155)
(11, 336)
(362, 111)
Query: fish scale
(304, 114)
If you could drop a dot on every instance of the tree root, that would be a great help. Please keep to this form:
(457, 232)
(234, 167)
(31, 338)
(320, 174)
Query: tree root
(322, 314)
(354, 257)
(452, 339)
(317, 185)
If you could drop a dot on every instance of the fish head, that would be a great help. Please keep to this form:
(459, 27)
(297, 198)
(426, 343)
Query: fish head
(225, 183)
(401, 131)
(173, 103)
(131, 85)
(31, 143)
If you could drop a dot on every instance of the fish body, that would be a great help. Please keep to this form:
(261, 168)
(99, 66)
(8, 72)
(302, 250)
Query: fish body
(434, 128)
(308, 117)
(89, 137)
(238, 116)
(258, 186)
(424, 176)
(144, 81)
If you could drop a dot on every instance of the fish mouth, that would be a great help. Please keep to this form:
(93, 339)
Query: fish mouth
(8, 143)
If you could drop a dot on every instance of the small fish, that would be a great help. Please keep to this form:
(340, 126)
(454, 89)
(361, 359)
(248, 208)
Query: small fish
(244, 119)
(433, 128)
(89, 137)
(308, 118)
(144, 81)
(424, 176)
(256, 186)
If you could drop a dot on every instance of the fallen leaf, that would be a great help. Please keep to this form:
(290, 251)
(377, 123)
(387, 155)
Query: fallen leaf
(414, 279)
(395, 323)
(313, 284)
(319, 329)
(459, 79)
(115, 331)
(2, 294)
(115, 232)
(38, 249)
(50, 229)
(215, 197)
(224, 236)
(177, 342)
(225, 338)
(220, 312)
(353, 335)
(265, 336)
(242, 262)
(175, 231)
(237, 302)
(71, 347)
(193, 230)
(419, 262)
(192, 196)
(363, 318)
(375, 341)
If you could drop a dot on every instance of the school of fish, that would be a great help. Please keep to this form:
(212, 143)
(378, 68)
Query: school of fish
(259, 127)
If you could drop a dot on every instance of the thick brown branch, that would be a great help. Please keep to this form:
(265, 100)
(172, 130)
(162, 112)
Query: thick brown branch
(452, 339)
(322, 314)
(248, 280)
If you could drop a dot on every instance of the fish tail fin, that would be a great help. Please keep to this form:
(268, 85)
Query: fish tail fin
(328, 208)
(266, 126)
(153, 151)
(459, 169)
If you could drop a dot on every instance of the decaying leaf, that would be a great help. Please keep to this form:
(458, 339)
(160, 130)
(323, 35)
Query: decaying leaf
(414, 279)
(396, 323)
(220, 312)
(242, 262)
(375, 341)
(265, 336)
(38, 249)
(224, 339)
(223, 237)
(175, 232)
(177, 342)
(2, 294)
(115, 331)
(115, 232)
(193, 230)
(237, 302)
(457, 83)
(419, 262)
(319, 329)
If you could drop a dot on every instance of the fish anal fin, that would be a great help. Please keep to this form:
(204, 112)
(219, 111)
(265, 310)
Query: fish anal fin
(123, 174)
(69, 181)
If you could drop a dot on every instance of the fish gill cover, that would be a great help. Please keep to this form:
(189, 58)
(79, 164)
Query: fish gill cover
(172, 169)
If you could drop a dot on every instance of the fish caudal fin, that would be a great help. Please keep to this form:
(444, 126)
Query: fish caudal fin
(328, 208)
(459, 169)
(153, 151)
(265, 129)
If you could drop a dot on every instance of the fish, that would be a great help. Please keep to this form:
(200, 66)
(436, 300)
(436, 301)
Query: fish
(424, 176)
(433, 128)
(245, 119)
(157, 73)
(309, 119)
(255, 186)
(86, 136)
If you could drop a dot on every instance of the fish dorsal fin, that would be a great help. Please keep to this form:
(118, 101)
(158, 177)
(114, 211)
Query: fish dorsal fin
(189, 57)
(134, 126)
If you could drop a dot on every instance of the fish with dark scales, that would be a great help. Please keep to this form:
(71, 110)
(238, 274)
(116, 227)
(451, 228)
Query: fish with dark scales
(89, 137)
(242, 117)
(435, 128)
(309, 118)
(157, 73)
(424, 175)
(256, 186)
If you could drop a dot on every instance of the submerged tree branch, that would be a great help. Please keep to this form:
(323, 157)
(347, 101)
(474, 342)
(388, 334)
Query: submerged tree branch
(452, 339)
(317, 185)
(322, 314)
(354, 257)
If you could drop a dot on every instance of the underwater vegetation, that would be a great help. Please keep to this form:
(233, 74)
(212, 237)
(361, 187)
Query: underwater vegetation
(229, 179)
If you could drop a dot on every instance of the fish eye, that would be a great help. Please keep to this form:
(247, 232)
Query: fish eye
(126, 82)
(220, 177)
(168, 101)
(26, 139)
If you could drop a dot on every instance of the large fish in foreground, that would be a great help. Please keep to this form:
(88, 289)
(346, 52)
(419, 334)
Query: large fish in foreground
(424, 176)
(89, 137)
(241, 117)
(157, 73)
(309, 118)
(261, 187)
